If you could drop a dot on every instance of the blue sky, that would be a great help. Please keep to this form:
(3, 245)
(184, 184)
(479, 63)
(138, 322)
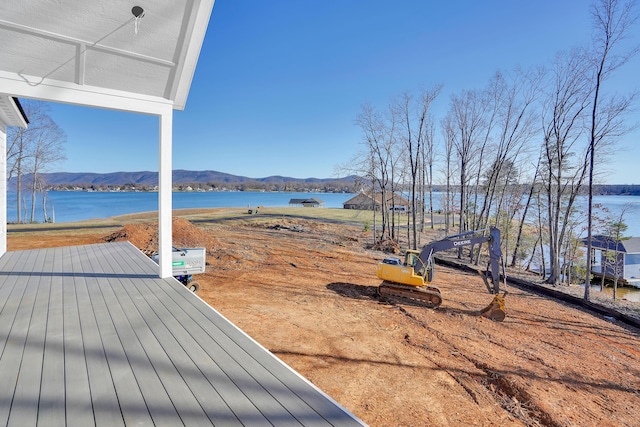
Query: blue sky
(279, 84)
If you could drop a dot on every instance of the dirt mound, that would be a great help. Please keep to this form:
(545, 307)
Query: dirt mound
(144, 236)
(387, 245)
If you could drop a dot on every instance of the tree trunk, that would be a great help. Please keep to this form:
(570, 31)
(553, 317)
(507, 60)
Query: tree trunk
(516, 247)
(44, 206)
(34, 190)
(533, 254)
(19, 192)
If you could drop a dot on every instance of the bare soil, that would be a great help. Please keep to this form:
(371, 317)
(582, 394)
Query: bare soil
(306, 290)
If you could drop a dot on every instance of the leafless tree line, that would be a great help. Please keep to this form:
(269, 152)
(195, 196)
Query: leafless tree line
(30, 152)
(515, 154)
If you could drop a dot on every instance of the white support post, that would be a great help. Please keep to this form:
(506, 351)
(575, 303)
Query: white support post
(3, 189)
(165, 184)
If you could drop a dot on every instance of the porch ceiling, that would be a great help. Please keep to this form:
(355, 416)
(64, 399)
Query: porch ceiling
(50, 48)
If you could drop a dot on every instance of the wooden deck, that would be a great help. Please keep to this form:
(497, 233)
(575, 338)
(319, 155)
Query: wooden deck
(89, 335)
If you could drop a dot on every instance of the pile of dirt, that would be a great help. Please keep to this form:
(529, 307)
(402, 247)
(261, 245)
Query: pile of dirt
(387, 245)
(144, 236)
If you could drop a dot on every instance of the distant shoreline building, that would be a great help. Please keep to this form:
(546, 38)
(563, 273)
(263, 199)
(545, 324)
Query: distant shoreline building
(364, 201)
(626, 264)
(313, 202)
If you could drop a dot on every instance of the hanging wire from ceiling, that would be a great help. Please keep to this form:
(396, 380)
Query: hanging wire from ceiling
(138, 13)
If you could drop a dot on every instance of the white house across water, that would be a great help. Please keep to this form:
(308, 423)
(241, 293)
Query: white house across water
(621, 258)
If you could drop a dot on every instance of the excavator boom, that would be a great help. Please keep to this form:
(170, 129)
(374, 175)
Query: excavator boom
(471, 238)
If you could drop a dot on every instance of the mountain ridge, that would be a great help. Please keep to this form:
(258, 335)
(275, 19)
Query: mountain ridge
(208, 179)
(179, 176)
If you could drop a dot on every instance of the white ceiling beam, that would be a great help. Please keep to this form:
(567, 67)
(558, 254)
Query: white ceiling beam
(87, 45)
(70, 93)
(80, 64)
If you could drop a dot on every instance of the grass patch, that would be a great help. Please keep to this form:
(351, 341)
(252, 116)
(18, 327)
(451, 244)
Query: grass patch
(350, 216)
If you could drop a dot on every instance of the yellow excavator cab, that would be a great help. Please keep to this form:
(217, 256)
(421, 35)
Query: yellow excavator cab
(411, 257)
(411, 272)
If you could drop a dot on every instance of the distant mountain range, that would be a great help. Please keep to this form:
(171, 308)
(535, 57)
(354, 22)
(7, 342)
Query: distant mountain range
(148, 178)
(210, 179)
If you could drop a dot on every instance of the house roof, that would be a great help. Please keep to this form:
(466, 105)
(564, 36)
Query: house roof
(359, 199)
(630, 245)
(11, 112)
(86, 52)
(303, 201)
(363, 197)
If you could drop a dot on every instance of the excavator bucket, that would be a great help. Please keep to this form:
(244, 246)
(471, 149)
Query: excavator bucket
(495, 311)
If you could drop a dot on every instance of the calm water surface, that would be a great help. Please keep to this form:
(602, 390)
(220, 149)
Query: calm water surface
(71, 206)
(628, 293)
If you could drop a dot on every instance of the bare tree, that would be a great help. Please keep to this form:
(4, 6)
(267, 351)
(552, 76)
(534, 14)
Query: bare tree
(615, 231)
(416, 119)
(491, 102)
(16, 154)
(467, 124)
(563, 114)
(447, 205)
(514, 128)
(33, 151)
(428, 159)
(382, 157)
(613, 20)
(532, 190)
(47, 150)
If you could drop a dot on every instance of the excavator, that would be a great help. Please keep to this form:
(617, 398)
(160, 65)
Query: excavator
(411, 278)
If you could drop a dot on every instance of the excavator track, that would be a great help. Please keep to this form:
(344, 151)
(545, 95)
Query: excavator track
(428, 295)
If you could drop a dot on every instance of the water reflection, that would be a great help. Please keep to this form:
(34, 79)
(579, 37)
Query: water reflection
(627, 293)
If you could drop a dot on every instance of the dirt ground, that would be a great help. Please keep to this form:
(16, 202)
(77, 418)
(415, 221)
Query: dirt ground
(306, 290)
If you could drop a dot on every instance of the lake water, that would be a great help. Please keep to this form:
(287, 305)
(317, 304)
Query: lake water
(616, 205)
(71, 206)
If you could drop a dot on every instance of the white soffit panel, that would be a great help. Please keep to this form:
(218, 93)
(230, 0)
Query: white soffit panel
(10, 114)
(126, 74)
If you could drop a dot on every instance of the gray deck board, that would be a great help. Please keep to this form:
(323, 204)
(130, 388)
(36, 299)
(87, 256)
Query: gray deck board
(30, 326)
(77, 392)
(51, 407)
(106, 408)
(199, 341)
(160, 399)
(178, 343)
(18, 309)
(89, 335)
